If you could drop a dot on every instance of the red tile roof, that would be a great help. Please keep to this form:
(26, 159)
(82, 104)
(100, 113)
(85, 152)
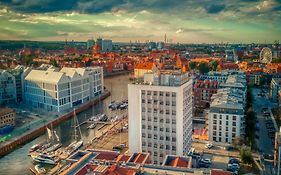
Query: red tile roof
(122, 158)
(107, 156)
(140, 158)
(178, 162)
(116, 170)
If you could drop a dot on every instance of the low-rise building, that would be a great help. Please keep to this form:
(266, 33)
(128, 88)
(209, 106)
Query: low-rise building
(7, 117)
(62, 90)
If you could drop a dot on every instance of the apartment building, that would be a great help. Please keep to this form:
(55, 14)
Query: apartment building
(203, 91)
(62, 90)
(226, 116)
(160, 114)
(274, 88)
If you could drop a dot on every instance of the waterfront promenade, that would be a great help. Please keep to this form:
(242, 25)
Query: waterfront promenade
(34, 129)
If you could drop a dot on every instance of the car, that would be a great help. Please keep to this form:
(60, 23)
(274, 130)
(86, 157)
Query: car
(209, 145)
(206, 161)
(233, 160)
(233, 167)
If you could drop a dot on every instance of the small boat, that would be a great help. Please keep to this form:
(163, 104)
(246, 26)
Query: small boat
(40, 169)
(53, 147)
(44, 158)
(35, 147)
(92, 126)
(74, 146)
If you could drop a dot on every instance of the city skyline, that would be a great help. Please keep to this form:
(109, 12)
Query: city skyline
(123, 20)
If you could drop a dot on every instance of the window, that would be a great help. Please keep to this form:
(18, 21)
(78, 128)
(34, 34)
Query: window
(173, 94)
(161, 129)
(173, 121)
(226, 122)
(155, 137)
(234, 117)
(142, 92)
(149, 144)
(149, 127)
(173, 112)
(167, 129)
(161, 93)
(167, 112)
(143, 127)
(167, 147)
(173, 103)
(161, 138)
(173, 130)
(155, 128)
(149, 135)
(233, 123)
(167, 94)
(174, 148)
(148, 92)
(155, 93)
(161, 120)
(143, 135)
(233, 129)
(226, 117)
(215, 116)
(155, 119)
(143, 100)
(167, 138)
(174, 139)
(167, 121)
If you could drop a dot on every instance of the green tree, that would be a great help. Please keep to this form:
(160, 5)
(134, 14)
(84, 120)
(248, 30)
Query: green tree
(203, 68)
(246, 155)
(213, 65)
(54, 63)
(192, 65)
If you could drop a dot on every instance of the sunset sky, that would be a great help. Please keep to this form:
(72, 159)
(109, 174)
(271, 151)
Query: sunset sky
(185, 21)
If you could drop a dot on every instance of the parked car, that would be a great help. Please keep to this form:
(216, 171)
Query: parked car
(209, 145)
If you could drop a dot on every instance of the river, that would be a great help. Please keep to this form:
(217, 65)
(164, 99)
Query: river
(18, 162)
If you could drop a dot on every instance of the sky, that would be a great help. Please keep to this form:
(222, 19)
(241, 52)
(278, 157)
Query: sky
(183, 21)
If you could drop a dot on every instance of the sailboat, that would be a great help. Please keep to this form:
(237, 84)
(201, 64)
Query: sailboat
(52, 143)
(76, 144)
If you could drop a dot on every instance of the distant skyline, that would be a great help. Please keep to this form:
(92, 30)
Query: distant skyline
(184, 21)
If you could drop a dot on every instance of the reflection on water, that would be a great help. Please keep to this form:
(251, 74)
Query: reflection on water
(18, 163)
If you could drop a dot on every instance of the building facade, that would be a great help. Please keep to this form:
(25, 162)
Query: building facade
(274, 88)
(160, 115)
(203, 91)
(226, 116)
(62, 90)
(7, 117)
(7, 88)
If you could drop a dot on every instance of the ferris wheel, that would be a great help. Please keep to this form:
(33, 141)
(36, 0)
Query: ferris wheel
(266, 55)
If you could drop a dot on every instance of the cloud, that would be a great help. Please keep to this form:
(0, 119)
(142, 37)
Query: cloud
(215, 8)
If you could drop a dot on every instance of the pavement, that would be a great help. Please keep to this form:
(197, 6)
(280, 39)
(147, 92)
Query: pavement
(264, 142)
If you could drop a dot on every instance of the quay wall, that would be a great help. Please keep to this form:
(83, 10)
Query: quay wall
(5, 149)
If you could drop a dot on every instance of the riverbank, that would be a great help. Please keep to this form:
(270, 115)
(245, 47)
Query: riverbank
(30, 135)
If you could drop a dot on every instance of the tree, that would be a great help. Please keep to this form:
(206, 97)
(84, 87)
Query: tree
(54, 63)
(192, 65)
(246, 155)
(213, 65)
(203, 68)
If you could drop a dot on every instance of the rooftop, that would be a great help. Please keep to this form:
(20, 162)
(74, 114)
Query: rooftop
(4, 111)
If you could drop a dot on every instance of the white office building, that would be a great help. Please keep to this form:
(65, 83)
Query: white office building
(226, 116)
(62, 90)
(160, 115)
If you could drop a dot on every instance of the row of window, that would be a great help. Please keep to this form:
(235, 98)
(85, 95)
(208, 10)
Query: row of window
(156, 110)
(161, 129)
(160, 93)
(160, 146)
(226, 123)
(160, 102)
(226, 128)
(161, 120)
(226, 117)
(156, 137)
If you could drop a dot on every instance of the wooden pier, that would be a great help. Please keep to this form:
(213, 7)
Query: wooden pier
(9, 147)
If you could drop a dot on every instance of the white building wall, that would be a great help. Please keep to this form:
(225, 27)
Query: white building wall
(226, 126)
(170, 122)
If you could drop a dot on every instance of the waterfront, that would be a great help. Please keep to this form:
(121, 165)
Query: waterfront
(18, 162)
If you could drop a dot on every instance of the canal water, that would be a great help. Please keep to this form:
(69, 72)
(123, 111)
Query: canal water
(18, 162)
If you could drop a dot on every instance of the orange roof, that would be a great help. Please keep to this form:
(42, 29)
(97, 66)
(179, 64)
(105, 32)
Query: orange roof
(146, 65)
(122, 158)
(178, 162)
(116, 170)
(220, 172)
(106, 155)
(140, 158)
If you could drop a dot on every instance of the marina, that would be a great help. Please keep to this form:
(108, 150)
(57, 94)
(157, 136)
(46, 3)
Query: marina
(18, 162)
